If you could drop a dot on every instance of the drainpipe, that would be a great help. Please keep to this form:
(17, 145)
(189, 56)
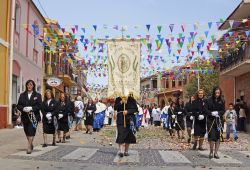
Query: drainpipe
(13, 6)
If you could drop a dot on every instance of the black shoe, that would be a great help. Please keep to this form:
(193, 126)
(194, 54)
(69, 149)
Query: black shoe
(59, 141)
(236, 138)
(120, 155)
(32, 147)
(28, 152)
(210, 155)
(189, 140)
(67, 137)
(126, 154)
(216, 156)
(44, 145)
(87, 131)
(53, 144)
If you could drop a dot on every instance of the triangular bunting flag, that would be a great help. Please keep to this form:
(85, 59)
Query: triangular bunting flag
(206, 33)
(95, 27)
(159, 28)
(171, 26)
(182, 27)
(148, 27)
(209, 25)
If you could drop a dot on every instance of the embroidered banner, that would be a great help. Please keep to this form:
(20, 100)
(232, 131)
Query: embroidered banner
(124, 67)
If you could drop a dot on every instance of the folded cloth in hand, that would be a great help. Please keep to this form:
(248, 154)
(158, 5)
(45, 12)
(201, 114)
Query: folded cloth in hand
(215, 113)
(201, 117)
(60, 116)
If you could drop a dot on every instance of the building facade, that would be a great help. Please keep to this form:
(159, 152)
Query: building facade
(4, 64)
(28, 50)
(235, 57)
(62, 62)
(159, 89)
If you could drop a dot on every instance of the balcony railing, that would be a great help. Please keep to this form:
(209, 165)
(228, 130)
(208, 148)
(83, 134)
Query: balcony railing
(235, 58)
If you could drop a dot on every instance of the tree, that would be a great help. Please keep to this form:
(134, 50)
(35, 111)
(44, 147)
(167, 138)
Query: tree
(207, 82)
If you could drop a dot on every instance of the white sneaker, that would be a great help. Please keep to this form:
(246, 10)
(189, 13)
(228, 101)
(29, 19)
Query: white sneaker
(16, 127)
(20, 127)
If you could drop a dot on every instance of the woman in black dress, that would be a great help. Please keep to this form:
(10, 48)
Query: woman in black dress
(199, 113)
(189, 117)
(64, 109)
(172, 119)
(179, 113)
(125, 123)
(215, 112)
(50, 113)
(89, 114)
(29, 104)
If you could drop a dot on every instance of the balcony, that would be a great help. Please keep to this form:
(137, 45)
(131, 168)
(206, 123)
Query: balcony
(236, 63)
(66, 73)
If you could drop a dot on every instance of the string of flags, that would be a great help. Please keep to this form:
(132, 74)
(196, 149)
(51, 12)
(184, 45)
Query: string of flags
(173, 43)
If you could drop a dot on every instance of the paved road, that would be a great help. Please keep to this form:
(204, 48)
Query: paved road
(81, 152)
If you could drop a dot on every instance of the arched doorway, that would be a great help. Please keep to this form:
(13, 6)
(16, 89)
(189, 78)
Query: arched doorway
(15, 81)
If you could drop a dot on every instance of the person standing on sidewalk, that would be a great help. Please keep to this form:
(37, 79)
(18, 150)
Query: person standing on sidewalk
(50, 113)
(78, 112)
(199, 112)
(171, 119)
(63, 113)
(242, 118)
(189, 117)
(231, 120)
(125, 123)
(215, 111)
(71, 116)
(89, 115)
(29, 104)
(179, 113)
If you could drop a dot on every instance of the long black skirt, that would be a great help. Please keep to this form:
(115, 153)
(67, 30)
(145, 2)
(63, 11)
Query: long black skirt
(213, 131)
(125, 135)
(63, 126)
(89, 120)
(200, 127)
(180, 125)
(189, 123)
(28, 128)
(48, 128)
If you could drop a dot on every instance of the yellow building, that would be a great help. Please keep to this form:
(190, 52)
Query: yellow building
(4, 69)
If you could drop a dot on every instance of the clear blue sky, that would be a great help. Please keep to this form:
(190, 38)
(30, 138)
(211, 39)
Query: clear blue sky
(135, 12)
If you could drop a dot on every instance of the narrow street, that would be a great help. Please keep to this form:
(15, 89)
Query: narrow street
(99, 151)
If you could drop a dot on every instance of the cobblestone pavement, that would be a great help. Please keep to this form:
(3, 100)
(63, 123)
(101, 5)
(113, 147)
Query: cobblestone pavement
(155, 150)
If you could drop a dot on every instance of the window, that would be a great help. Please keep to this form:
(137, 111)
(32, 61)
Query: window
(155, 84)
(73, 90)
(179, 83)
(173, 83)
(35, 56)
(17, 18)
(185, 81)
(167, 84)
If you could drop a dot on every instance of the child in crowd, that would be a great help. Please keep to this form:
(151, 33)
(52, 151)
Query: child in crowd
(231, 119)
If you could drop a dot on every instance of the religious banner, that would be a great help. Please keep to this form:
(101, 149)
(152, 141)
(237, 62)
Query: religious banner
(124, 67)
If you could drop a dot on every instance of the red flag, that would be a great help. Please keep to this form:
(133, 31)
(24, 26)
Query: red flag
(182, 28)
